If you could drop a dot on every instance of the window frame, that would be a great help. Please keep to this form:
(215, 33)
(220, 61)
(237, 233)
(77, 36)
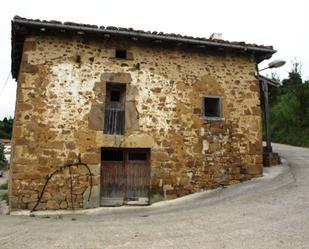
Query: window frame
(220, 117)
(120, 105)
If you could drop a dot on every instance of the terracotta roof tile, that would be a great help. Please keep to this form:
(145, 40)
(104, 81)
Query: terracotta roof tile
(22, 27)
(141, 32)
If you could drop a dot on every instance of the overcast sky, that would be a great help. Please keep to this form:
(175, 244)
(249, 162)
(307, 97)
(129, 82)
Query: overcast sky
(283, 24)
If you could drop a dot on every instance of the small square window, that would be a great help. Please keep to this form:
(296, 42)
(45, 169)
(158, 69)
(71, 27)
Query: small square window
(121, 53)
(212, 107)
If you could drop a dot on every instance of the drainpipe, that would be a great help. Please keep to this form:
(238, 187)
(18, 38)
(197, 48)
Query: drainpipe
(264, 86)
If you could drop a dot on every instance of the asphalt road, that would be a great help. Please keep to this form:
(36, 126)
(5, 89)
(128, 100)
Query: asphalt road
(268, 212)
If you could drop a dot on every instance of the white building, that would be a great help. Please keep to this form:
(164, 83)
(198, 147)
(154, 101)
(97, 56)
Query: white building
(7, 148)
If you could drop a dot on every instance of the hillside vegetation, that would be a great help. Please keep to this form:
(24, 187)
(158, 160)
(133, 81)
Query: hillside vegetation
(289, 109)
(6, 133)
(6, 128)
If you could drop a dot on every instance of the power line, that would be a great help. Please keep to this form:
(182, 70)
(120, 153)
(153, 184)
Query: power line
(6, 81)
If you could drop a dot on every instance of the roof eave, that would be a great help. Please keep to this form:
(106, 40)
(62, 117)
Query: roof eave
(261, 53)
(268, 81)
(143, 35)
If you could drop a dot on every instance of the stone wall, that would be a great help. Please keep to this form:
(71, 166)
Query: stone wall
(60, 114)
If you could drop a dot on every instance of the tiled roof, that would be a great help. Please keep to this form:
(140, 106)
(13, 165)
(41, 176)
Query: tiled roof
(23, 26)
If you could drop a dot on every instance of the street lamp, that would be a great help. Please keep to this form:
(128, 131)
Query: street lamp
(274, 64)
(264, 84)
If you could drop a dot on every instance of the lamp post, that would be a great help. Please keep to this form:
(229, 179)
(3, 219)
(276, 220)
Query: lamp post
(273, 64)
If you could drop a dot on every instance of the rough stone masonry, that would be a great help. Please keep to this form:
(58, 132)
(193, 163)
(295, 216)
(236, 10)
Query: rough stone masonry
(60, 114)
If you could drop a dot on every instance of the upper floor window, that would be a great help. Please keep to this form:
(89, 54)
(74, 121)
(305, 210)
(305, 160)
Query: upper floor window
(114, 121)
(121, 54)
(212, 107)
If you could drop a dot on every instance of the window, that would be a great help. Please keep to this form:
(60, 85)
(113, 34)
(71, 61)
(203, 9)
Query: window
(115, 96)
(119, 155)
(121, 53)
(114, 121)
(137, 156)
(212, 107)
(112, 155)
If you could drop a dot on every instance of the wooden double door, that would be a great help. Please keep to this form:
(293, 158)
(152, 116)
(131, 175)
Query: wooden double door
(125, 176)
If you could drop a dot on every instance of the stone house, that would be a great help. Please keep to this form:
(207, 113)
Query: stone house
(152, 116)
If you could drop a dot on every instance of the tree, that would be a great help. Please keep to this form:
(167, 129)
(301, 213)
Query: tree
(274, 77)
(273, 90)
(3, 160)
(294, 75)
(6, 126)
(289, 109)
